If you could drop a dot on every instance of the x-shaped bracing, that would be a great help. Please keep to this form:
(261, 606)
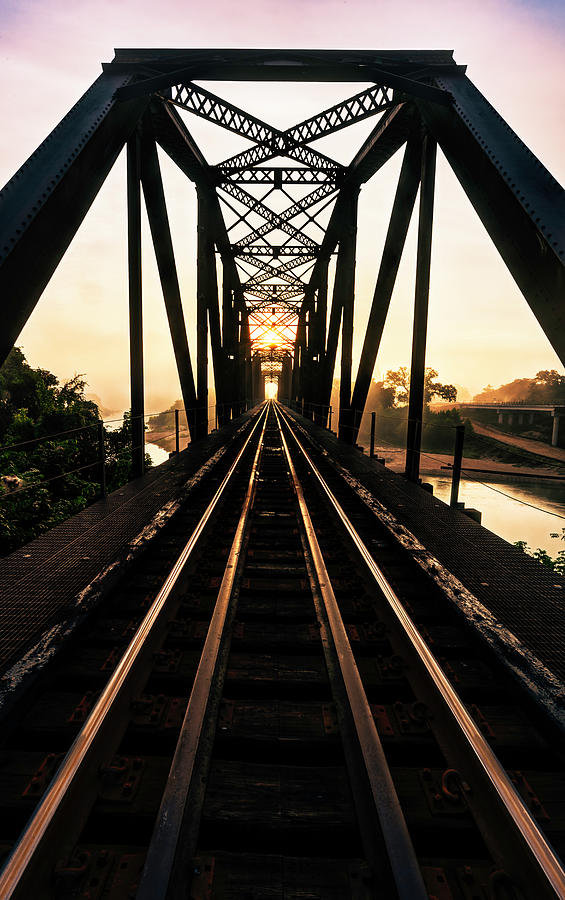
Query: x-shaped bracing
(245, 168)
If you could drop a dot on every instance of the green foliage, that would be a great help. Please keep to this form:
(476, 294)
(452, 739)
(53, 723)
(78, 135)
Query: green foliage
(555, 563)
(389, 398)
(399, 381)
(548, 386)
(49, 467)
(165, 421)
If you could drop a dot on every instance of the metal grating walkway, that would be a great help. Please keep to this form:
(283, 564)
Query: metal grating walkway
(526, 598)
(40, 583)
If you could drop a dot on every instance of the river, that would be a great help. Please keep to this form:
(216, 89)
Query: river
(505, 510)
(157, 454)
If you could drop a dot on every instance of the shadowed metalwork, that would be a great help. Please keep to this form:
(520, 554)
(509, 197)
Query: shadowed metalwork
(276, 318)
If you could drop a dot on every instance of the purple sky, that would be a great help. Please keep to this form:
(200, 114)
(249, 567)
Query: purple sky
(481, 329)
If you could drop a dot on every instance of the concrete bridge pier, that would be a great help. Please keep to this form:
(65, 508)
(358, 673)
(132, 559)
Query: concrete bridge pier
(558, 431)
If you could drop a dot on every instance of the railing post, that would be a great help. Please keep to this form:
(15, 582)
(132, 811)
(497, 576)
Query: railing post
(177, 432)
(330, 419)
(372, 449)
(457, 460)
(102, 458)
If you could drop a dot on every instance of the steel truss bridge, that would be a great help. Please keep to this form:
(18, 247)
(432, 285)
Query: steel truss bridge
(274, 318)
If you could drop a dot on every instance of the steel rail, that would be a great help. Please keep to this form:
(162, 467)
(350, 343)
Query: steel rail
(403, 861)
(44, 818)
(541, 854)
(160, 859)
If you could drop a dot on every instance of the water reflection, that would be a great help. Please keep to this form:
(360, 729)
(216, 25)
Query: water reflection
(510, 519)
(157, 454)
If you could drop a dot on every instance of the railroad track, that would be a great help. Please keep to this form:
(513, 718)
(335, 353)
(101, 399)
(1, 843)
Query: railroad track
(279, 704)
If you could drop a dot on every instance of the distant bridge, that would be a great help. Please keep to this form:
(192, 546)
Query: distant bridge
(519, 408)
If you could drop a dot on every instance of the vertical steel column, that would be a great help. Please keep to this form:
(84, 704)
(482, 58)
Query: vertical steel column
(372, 446)
(163, 245)
(248, 366)
(320, 341)
(457, 461)
(307, 367)
(258, 381)
(229, 341)
(102, 458)
(327, 369)
(299, 355)
(239, 392)
(202, 287)
(348, 244)
(285, 381)
(246, 378)
(417, 370)
(135, 305)
(392, 253)
(218, 355)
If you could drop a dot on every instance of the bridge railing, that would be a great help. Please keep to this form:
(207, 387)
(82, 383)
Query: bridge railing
(441, 442)
(99, 444)
(506, 403)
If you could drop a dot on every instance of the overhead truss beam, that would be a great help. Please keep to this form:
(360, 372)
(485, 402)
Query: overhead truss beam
(420, 98)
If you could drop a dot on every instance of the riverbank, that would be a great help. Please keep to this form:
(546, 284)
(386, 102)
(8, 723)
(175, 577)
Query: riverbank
(438, 463)
(167, 439)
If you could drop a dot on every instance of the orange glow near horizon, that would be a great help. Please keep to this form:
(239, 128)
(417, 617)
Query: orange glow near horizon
(273, 329)
(271, 390)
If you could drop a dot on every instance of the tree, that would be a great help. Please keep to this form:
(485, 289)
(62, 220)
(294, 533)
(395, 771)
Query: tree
(399, 381)
(379, 396)
(49, 466)
(549, 386)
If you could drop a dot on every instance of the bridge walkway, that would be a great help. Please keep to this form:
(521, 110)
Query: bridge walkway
(526, 599)
(59, 574)
(53, 579)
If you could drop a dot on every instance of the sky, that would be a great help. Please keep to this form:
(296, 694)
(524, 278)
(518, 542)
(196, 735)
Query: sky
(481, 330)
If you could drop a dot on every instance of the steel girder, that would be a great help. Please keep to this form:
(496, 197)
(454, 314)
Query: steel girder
(277, 175)
(519, 202)
(42, 206)
(271, 142)
(420, 92)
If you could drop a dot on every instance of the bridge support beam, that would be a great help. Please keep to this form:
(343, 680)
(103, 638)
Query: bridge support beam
(218, 355)
(229, 335)
(342, 294)
(285, 380)
(348, 243)
(207, 316)
(418, 364)
(557, 430)
(297, 391)
(245, 388)
(318, 347)
(307, 385)
(163, 245)
(392, 253)
(258, 381)
(135, 305)
(201, 423)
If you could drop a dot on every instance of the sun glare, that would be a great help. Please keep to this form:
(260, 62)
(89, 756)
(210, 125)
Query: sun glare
(271, 390)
